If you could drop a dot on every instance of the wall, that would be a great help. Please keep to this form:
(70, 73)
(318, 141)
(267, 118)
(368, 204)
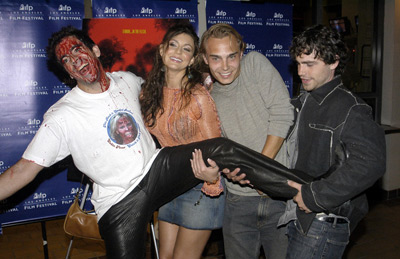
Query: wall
(391, 64)
(391, 94)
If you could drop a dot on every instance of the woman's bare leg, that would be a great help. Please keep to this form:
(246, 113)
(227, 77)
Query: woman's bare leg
(167, 235)
(190, 243)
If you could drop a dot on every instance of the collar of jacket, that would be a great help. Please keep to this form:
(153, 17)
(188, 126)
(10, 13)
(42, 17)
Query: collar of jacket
(324, 90)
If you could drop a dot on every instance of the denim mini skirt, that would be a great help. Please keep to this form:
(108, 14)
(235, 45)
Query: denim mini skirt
(195, 210)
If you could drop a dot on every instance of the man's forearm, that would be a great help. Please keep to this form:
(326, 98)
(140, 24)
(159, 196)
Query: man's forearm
(17, 176)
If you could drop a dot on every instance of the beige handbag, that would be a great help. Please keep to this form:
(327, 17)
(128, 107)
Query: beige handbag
(80, 223)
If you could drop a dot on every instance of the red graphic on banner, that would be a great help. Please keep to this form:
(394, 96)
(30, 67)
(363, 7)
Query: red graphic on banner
(128, 44)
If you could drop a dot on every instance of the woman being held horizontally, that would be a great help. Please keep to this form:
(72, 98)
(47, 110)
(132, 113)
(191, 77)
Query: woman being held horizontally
(178, 109)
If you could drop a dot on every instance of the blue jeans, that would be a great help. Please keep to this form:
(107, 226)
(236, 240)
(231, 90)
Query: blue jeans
(251, 222)
(323, 240)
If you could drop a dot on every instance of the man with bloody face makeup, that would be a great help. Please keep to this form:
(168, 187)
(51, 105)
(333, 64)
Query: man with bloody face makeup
(130, 180)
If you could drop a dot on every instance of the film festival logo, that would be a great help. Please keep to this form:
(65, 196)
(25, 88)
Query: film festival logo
(220, 13)
(251, 47)
(250, 18)
(28, 49)
(147, 12)
(111, 12)
(26, 13)
(64, 8)
(277, 51)
(278, 20)
(220, 17)
(27, 7)
(180, 11)
(250, 14)
(65, 13)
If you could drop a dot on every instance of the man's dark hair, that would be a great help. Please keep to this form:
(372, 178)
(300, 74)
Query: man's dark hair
(325, 42)
(53, 63)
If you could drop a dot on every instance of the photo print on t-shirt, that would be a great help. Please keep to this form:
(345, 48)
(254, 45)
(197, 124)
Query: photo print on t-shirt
(122, 128)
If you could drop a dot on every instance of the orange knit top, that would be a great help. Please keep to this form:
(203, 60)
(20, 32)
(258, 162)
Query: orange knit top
(195, 122)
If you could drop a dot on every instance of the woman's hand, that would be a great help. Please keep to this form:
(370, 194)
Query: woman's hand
(201, 170)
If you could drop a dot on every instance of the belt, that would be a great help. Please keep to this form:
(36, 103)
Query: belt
(330, 219)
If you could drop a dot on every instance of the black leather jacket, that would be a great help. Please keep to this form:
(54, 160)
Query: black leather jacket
(331, 114)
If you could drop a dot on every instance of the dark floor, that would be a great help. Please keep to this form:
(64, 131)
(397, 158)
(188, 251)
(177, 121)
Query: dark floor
(377, 236)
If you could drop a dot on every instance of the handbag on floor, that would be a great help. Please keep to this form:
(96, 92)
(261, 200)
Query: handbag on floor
(80, 223)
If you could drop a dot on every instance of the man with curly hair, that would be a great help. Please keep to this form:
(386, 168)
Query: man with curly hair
(329, 118)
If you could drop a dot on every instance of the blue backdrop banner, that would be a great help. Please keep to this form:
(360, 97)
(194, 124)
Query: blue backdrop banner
(265, 27)
(27, 89)
(147, 9)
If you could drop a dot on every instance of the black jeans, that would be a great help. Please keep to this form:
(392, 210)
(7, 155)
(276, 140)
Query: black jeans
(124, 225)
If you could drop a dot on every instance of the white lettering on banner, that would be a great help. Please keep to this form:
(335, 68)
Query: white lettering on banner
(277, 55)
(146, 10)
(26, 45)
(30, 83)
(110, 10)
(27, 132)
(30, 93)
(9, 210)
(26, 7)
(44, 205)
(67, 202)
(29, 18)
(39, 195)
(278, 15)
(278, 24)
(64, 8)
(66, 18)
(76, 190)
(61, 91)
(254, 23)
(180, 11)
(250, 46)
(282, 24)
(33, 122)
(220, 13)
(250, 14)
(277, 51)
(227, 22)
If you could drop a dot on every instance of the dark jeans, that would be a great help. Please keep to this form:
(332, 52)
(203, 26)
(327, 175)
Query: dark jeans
(124, 225)
(251, 222)
(323, 240)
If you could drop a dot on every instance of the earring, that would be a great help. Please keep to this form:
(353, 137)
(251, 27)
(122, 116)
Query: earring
(189, 74)
(163, 69)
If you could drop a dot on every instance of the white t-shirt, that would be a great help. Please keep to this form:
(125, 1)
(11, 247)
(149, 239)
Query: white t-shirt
(82, 124)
